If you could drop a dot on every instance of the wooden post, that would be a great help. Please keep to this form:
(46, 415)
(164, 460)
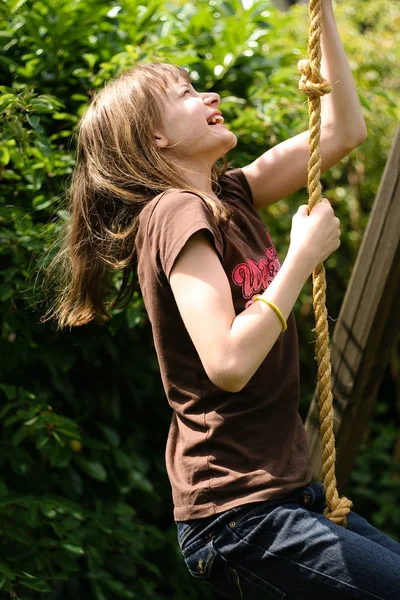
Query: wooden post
(366, 328)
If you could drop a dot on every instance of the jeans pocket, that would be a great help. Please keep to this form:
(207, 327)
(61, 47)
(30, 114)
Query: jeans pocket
(239, 582)
(250, 585)
(186, 530)
(199, 558)
(250, 510)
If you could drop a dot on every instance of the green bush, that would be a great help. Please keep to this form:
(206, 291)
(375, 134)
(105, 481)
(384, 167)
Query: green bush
(85, 504)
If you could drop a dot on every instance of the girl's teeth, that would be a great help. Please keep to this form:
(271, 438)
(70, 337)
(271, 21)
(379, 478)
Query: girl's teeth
(217, 119)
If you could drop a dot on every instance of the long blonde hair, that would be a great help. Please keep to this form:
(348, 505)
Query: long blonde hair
(118, 170)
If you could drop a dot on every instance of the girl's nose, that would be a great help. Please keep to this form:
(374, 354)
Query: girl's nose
(212, 98)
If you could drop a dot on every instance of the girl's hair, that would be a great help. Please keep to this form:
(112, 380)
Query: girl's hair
(118, 170)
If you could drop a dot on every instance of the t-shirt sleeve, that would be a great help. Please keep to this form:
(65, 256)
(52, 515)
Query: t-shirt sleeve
(235, 182)
(176, 217)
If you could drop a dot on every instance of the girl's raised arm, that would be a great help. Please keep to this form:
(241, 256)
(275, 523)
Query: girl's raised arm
(283, 169)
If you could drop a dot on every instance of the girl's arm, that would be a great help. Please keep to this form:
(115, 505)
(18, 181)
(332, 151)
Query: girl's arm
(283, 169)
(231, 348)
(340, 110)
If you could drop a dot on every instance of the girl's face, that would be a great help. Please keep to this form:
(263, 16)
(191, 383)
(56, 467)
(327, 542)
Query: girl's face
(187, 132)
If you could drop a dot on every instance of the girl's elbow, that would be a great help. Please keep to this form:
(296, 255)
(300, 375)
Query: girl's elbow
(359, 136)
(228, 379)
(349, 140)
(363, 134)
(229, 385)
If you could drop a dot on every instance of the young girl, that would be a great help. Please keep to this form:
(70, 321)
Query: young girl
(146, 190)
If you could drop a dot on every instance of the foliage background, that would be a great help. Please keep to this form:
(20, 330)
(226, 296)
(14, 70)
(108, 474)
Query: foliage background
(85, 503)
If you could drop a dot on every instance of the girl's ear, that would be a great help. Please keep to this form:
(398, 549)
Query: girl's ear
(160, 140)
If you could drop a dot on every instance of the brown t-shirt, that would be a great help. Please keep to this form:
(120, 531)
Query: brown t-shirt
(223, 449)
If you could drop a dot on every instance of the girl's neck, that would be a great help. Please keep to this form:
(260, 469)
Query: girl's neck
(198, 175)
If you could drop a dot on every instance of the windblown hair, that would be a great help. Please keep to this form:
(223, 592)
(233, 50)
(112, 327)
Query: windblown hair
(119, 169)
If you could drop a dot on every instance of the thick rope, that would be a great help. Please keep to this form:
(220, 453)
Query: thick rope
(313, 85)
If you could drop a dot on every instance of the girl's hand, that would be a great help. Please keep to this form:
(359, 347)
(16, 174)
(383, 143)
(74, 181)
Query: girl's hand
(314, 236)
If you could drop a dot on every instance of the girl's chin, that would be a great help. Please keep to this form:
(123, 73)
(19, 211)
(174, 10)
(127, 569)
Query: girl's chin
(233, 140)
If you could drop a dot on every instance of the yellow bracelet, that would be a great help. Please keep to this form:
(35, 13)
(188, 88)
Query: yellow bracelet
(275, 308)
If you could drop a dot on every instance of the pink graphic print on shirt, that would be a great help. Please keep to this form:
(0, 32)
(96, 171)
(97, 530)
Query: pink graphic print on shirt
(254, 276)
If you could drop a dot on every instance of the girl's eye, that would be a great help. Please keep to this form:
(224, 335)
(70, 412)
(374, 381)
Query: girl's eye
(186, 92)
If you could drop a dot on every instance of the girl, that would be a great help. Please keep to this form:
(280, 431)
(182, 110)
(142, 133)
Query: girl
(147, 191)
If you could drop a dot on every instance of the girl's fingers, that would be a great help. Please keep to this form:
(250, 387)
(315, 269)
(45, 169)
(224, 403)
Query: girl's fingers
(303, 210)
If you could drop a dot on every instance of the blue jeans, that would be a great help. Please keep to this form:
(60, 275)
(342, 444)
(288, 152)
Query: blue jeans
(287, 549)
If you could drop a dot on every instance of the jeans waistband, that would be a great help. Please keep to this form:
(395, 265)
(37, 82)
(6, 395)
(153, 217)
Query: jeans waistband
(307, 496)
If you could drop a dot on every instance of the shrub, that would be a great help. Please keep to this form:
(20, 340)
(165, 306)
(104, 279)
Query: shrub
(85, 506)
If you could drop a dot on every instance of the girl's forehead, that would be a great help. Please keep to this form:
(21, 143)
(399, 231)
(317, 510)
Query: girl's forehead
(177, 83)
(174, 87)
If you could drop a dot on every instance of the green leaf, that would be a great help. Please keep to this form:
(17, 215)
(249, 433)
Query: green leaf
(39, 585)
(61, 456)
(119, 588)
(111, 435)
(58, 528)
(57, 438)
(3, 490)
(6, 293)
(41, 103)
(90, 59)
(79, 97)
(31, 515)
(73, 549)
(5, 410)
(42, 441)
(124, 510)
(19, 435)
(10, 392)
(7, 571)
(97, 591)
(92, 467)
(48, 510)
(33, 120)
(6, 100)
(4, 155)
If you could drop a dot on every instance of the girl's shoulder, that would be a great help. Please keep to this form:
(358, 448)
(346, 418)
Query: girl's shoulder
(234, 185)
(168, 201)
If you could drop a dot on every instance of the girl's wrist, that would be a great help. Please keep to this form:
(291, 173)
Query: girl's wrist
(301, 261)
(327, 6)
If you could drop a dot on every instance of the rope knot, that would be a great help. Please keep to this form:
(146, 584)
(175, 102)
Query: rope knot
(339, 511)
(311, 83)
